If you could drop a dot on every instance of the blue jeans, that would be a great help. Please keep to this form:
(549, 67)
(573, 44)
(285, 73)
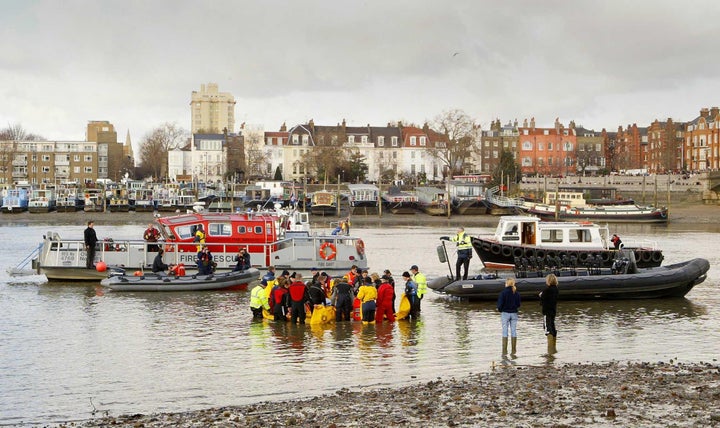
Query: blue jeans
(509, 319)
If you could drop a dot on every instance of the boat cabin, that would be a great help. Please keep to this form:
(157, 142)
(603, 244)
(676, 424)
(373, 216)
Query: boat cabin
(565, 198)
(527, 230)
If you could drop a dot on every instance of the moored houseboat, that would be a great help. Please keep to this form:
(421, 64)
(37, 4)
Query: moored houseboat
(363, 199)
(69, 199)
(572, 206)
(323, 202)
(432, 200)
(398, 202)
(42, 200)
(16, 200)
(467, 197)
(94, 200)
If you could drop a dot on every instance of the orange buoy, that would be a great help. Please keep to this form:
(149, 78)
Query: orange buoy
(138, 273)
(101, 266)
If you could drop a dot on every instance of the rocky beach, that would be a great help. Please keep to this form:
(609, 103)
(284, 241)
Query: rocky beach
(667, 394)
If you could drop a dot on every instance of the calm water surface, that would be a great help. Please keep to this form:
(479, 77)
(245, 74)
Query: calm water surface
(68, 349)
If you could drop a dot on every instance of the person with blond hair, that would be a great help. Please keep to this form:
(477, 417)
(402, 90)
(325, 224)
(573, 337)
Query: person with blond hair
(508, 304)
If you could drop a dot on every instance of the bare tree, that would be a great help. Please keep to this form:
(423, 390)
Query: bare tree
(255, 154)
(326, 161)
(16, 132)
(460, 133)
(155, 146)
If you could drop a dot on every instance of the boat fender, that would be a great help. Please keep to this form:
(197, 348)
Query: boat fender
(657, 256)
(529, 252)
(646, 256)
(605, 256)
(517, 252)
(486, 246)
(540, 254)
(495, 249)
(328, 255)
(583, 257)
(637, 254)
(360, 247)
(506, 251)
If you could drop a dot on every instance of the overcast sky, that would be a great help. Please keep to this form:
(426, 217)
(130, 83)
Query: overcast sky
(135, 63)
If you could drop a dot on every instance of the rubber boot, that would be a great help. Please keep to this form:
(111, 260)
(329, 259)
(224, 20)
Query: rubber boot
(513, 340)
(504, 345)
(552, 348)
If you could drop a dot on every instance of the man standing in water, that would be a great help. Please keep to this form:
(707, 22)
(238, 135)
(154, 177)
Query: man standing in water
(90, 241)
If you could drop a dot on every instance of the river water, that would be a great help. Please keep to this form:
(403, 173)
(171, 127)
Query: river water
(74, 351)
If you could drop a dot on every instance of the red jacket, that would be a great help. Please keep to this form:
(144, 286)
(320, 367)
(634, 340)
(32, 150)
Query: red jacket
(385, 295)
(298, 291)
(276, 295)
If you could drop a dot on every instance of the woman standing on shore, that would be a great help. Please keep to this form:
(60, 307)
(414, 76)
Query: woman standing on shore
(508, 304)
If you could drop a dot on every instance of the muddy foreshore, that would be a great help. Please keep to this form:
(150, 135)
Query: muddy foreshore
(611, 394)
(685, 213)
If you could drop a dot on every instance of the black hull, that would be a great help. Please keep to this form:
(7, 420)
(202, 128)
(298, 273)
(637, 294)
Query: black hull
(469, 208)
(410, 207)
(502, 256)
(654, 283)
(323, 210)
(364, 210)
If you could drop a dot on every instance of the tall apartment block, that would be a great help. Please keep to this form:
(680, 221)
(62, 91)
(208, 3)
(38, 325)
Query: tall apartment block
(212, 111)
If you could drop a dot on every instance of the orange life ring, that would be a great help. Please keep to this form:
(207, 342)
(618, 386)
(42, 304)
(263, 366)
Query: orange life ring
(328, 255)
(360, 247)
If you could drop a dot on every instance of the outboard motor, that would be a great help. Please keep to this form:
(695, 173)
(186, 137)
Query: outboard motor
(625, 262)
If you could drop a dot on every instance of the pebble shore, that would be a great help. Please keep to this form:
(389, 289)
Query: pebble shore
(669, 394)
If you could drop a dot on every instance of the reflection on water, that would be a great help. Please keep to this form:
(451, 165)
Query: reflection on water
(64, 344)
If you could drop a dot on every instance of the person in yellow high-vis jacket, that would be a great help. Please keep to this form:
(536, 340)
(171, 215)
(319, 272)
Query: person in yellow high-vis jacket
(258, 301)
(464, 252)
(420, 280)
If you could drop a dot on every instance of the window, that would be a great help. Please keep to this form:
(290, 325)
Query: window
(46, 169)
(495, 154)
(412, 155)
(305, 139)
(580, 235)
(413, 141)
(351, 139)
(487, 143)
(364, 139)
(551, 235)
(527, 145)
(88, 170)
(422, 141)
(220, 229)
(241, 229)
(550, 146)
(87, 158)
(46, 158)
(540, 146)
(76, 170)
(381, 141)
(526, 161)
(394, 141)
(495, 143)
(258, 230)
(296, 139)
